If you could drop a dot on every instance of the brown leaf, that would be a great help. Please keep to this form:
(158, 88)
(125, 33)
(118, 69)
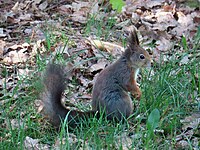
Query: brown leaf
(37, 1)
(163, 44)
(150, 3)
(16, 56)
(43, 5)
(39, 105)
(2, 46)
(100, 65)
(78, 17)
(16, 124)
(185, 23)
(184, 60)
(84, 81)
(78, 5)
(65, 9)
(72, 140)
(23, 72)
(190, 124)
(16, 7)
(192, 121)
(30, 143)
(25, 17)
(2, 34)
(82, 9)
(39, 46)
(164, 20)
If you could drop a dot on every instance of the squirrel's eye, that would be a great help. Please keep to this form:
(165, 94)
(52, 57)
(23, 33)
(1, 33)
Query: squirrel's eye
(142, 56)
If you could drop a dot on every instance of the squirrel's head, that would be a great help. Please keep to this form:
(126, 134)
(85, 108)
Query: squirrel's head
(136, 55)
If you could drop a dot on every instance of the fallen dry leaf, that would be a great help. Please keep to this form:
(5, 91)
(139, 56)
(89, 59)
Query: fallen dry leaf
(30, 143)
(164, 20)
(192, 121)
(190, 125)
(16, 124)
(105, 45)
(15, 57)
(163, 44)
(100, 65)
(43, 5)
(2, 34)
(185, 24)
(2, 46)
(73, 142)
(184, 60)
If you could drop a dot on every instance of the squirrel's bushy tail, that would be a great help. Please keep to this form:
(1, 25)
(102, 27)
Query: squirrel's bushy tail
(53, 109)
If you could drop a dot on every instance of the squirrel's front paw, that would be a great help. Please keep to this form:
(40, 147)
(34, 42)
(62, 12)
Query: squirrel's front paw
(137, 93)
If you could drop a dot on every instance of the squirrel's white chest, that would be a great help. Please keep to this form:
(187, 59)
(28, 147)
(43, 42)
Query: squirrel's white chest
(136, 73)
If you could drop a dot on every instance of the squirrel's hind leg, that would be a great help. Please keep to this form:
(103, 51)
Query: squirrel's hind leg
(119, 106)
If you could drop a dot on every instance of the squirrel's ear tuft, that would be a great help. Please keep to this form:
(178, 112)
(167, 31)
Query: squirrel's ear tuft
(133, 38)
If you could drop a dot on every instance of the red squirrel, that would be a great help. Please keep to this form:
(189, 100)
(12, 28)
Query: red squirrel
(110, 91)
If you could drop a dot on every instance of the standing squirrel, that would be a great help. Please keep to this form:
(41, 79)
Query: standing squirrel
(110, 91)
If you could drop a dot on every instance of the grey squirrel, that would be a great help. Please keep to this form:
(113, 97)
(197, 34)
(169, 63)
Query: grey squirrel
(110, 91)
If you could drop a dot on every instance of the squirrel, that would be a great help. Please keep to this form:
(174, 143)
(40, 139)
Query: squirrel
(110, 91)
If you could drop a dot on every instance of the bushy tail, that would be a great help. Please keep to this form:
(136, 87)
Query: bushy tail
(54, 85)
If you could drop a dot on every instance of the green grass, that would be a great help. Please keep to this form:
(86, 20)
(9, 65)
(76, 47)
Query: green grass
(168, 87)
(101, 27)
